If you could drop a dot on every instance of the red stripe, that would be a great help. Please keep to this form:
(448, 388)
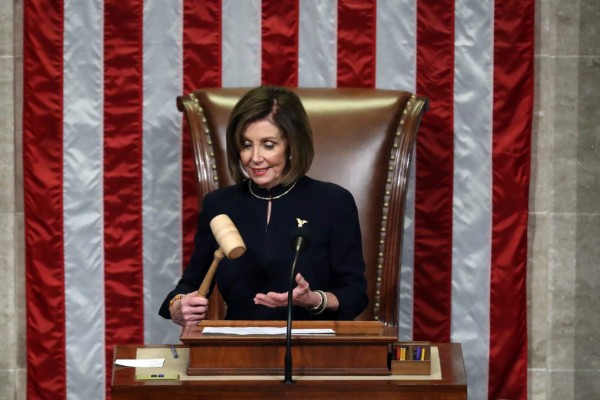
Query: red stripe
(201, 68)
(42, 175)
(356, 43)
(434, 176)
(123, 99)
(279, 38)
(513, 108)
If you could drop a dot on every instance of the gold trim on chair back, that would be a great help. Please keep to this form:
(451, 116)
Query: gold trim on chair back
(364, 140)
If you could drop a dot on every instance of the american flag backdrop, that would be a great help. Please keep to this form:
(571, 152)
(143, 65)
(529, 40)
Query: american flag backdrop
(110, 200)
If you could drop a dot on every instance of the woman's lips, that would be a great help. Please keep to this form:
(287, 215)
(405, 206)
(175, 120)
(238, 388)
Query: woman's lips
(259, 171)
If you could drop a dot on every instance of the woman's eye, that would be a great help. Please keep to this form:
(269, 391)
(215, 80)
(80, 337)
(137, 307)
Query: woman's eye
(246, 145)
(269, 146)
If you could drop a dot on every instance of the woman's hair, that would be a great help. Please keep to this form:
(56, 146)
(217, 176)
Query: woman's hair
(284, 109)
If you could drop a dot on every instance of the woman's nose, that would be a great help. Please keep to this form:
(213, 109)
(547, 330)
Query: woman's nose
(256, 155)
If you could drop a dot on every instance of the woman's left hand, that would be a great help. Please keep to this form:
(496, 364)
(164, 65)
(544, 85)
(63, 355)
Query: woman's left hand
(302, 296)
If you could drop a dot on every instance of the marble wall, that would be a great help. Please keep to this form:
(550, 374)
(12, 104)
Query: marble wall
(12, 327)
(564, 234)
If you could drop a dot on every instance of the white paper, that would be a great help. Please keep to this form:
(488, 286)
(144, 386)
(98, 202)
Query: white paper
(141, 362)
(265, 331)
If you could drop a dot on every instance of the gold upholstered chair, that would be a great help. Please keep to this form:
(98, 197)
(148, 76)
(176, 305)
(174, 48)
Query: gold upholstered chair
(364, 140)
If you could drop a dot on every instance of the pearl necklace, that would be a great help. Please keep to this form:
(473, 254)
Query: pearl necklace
(269, 198)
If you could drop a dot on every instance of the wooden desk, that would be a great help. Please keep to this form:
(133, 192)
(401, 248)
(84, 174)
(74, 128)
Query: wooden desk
(356, 348)
(452, 386)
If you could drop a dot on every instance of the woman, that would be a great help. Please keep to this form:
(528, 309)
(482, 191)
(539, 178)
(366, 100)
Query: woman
(269, 151)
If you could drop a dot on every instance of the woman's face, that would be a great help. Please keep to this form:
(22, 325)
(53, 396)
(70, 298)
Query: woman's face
(263, 153)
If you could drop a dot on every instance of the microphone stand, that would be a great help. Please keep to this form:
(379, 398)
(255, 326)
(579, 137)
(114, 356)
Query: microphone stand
(288, 338)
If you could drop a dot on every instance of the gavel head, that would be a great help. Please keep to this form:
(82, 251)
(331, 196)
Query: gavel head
(227, 236)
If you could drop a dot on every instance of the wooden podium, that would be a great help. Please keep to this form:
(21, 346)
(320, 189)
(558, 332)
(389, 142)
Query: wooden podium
(355, 348)
(351, 364)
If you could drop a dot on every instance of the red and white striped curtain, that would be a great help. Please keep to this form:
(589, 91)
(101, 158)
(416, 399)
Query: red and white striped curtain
(109, 186)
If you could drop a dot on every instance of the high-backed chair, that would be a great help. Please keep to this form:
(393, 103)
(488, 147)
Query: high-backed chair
(363, 139)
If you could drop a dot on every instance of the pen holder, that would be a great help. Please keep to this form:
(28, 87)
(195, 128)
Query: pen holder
(411, 358)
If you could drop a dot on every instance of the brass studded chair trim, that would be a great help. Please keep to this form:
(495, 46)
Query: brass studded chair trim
(364, 141)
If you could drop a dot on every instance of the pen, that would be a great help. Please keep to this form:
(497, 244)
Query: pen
(174, 352)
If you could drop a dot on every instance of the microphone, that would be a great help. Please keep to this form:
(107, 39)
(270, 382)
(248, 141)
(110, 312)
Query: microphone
(301, 238)
(231, 246)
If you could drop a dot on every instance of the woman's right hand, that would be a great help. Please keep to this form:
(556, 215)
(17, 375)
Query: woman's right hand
(189, 310)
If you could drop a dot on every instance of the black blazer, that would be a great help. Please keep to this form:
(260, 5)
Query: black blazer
(333, 261)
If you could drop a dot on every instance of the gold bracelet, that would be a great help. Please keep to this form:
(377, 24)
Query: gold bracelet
(322, 305)
(174, 299)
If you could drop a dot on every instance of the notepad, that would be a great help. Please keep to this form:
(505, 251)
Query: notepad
(141, 362)
(264, 331)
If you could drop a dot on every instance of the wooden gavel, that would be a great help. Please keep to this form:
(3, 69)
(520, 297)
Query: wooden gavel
(231, 246)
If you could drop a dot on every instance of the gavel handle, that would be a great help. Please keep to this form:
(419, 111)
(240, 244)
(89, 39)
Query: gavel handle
(205, 286)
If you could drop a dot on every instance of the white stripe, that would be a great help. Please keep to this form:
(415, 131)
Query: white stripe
(405, 319)
(83, 199)
(472, 208)
(241, 45)
(396, 44)
(317, 47)
(161, 164)
(396, 69)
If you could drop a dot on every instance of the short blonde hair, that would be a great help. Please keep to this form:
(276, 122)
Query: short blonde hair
(284, 109)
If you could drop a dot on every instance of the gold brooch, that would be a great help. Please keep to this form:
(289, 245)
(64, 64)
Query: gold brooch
(301, 222)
